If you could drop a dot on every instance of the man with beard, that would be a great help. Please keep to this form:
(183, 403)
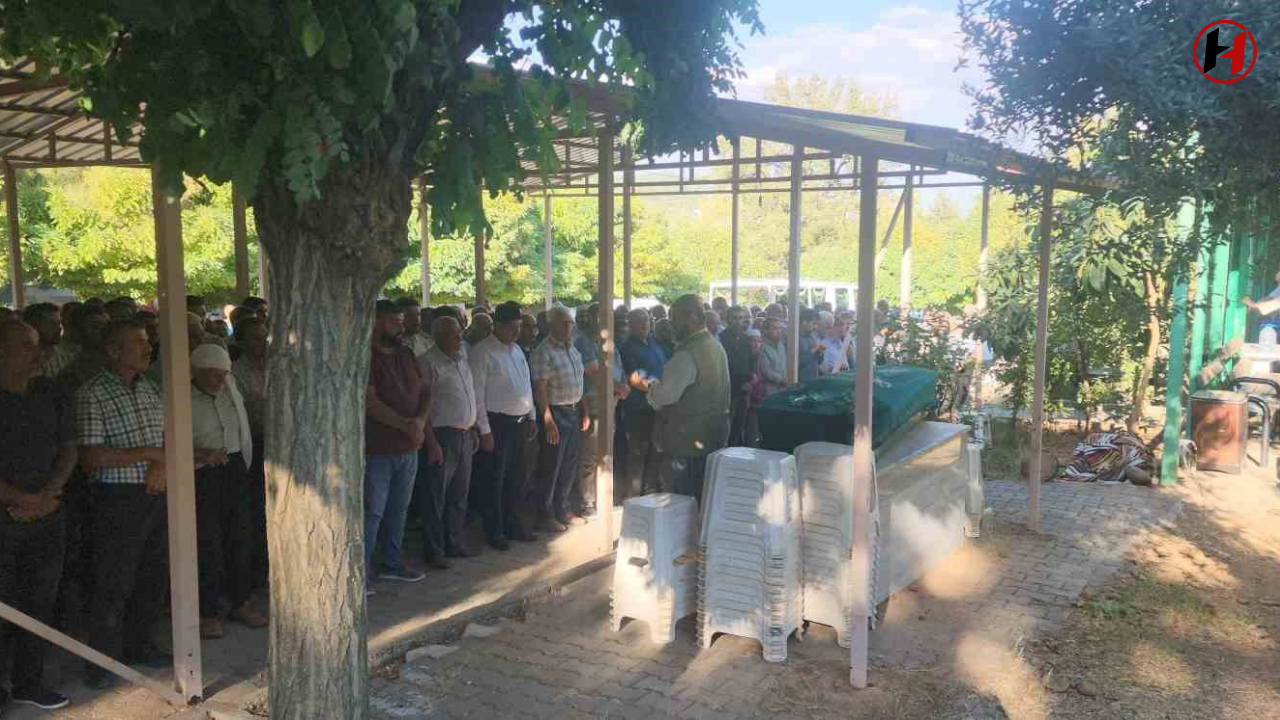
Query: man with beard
(692, 398)
(395, 428)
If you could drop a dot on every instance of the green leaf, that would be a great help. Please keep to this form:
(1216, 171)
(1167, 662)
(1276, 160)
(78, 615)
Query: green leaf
(312, 36)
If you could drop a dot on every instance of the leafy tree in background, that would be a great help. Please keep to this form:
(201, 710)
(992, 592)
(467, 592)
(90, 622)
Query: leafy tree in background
(97, 236)
(324, 111)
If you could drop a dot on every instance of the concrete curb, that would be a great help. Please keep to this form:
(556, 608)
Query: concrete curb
(231, 708)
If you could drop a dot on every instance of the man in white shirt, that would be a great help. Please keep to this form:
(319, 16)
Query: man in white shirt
(223, 453)
(504, 415)
(452, 423)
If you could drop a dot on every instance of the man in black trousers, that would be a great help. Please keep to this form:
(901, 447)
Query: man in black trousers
(37, 457)
(119, 416)
(504, 395)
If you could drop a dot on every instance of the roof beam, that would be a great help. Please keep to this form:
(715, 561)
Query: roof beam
(24, 87)
(32, 161)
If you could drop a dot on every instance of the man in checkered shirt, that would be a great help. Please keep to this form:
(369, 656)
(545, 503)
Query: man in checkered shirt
(119, 417)
(557, 371)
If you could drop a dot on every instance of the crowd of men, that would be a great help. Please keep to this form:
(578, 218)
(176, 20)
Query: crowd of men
(489, 415)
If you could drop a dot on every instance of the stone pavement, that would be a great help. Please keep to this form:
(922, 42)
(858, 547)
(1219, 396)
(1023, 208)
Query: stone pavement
(967, 619)
(234, 666)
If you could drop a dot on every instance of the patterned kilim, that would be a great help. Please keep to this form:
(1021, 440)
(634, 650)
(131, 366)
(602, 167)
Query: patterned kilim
(822, 409)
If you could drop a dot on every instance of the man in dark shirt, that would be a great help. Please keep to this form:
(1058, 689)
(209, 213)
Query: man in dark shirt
(37, 455)
(737, 346)
(642, 359)
(396, 404)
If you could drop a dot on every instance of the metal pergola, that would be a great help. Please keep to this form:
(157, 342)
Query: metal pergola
(42, 125)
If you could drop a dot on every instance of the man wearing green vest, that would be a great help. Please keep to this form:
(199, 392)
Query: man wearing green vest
(692, 398)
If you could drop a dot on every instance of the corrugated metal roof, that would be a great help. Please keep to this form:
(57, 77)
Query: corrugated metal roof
(42, 124)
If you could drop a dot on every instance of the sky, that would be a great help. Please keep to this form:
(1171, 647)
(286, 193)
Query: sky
(908, 49)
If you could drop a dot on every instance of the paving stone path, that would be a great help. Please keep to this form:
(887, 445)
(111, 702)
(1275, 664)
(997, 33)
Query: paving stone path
(562, 660)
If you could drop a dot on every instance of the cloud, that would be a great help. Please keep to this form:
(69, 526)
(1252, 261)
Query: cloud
(908, 51)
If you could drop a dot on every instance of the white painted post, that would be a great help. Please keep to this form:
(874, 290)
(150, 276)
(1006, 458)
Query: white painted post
(863, 457)
(793, 264)
(908, 252)
(546, 246)
(424, 236)
(733, 229)
(16, 279)
(1041, 348)
(981, 297)
(604, 434)
(178, 451)
(628, 177)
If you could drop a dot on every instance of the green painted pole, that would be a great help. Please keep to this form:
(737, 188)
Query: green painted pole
(1199, 302)
(1177, 357)
(1221, 266)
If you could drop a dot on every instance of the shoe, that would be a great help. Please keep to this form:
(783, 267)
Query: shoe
(151, 656)
(42, 698)
(403, 574)
(462, 551)
(247, 617)
(210, 628)
(551, 525)
(99, 679)
(518, 533)
(437, 562)
(500, 543)
(571, 520)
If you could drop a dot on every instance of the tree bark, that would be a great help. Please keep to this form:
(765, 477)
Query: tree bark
(329, 260)
(1153, 347)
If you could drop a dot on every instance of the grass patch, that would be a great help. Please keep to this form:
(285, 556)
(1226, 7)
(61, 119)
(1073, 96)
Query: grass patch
(1145, 596)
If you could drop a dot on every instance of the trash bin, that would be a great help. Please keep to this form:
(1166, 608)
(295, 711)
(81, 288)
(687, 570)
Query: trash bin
(1220, 429)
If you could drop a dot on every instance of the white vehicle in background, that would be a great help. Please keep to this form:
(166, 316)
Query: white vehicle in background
(812, 292)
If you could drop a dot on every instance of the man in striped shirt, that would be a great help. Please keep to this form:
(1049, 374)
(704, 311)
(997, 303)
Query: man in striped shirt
(119, 417)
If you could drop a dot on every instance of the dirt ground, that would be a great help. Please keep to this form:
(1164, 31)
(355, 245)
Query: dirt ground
(1190, 630)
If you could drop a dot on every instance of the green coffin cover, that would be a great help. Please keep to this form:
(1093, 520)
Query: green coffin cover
(822, 409)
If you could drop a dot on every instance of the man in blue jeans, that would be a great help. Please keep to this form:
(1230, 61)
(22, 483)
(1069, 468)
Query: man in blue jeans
(397, 404)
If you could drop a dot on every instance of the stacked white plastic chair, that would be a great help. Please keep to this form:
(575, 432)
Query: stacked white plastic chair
(827, 533)
(749, 560)
(656, 570)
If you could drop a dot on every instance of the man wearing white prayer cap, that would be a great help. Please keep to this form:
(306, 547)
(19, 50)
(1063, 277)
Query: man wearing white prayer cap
(223, 453)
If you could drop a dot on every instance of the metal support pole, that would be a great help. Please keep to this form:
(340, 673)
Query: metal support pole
(178, 450)
(240, 237)
(424, 238)
(733, 225)
(888, 233)
(1188, 219)
(604, 395)
(793, 265)
(1041, 351)
(908, 252)
(16, 279)
(864, 462)
(628, 177)
(546, 247)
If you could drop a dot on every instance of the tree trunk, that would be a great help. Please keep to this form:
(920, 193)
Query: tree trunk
(329, 260)
(1153, 347)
